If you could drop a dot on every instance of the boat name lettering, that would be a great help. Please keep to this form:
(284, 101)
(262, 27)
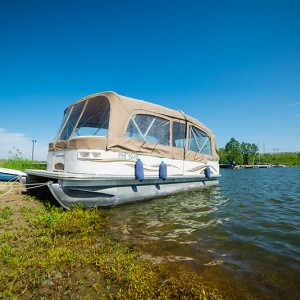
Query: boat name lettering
(124, 155)
(59, 155)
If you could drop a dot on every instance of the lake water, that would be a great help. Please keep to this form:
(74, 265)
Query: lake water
(243, 235)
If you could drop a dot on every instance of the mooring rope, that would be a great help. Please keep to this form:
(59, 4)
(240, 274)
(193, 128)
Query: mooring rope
(28, 186)
(34, 185)
(6, 193)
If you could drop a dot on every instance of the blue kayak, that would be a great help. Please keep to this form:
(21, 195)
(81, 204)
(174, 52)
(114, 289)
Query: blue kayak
(10, 174)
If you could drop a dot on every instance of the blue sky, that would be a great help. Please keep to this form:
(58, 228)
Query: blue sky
(234, 65)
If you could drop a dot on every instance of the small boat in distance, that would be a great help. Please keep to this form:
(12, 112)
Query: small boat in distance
(10, 174)
(112, 150)
(278, 166)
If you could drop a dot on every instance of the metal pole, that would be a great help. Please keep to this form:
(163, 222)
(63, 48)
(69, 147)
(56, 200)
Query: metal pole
(258, 153)
(33, 141)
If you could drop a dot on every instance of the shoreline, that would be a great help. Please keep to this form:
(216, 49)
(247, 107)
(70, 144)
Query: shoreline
(48, 252)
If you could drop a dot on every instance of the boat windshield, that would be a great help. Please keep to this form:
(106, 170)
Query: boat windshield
(66, 115)
(95, 119)
(71, 121)
(87, 118)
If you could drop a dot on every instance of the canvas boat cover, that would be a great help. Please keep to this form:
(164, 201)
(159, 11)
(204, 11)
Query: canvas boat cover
(121, 111)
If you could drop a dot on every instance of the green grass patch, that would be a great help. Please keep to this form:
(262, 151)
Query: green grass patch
(288, 159)
(17, 162)
(58, 254)
(5, 213)
(21, 164)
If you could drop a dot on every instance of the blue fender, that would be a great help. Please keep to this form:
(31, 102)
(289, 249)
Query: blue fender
(139, 170)
(163, 174)
(207, 172)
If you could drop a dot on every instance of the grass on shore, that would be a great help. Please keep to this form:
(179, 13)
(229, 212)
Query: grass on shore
(49, 253)
(16, 162)
(288, 159)
(22, 164)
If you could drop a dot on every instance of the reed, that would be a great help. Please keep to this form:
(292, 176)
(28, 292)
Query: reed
(17, 162)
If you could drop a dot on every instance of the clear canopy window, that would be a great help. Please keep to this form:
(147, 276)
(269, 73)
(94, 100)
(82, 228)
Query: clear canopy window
(179, 135)
(199, 141)
(87, 118)
(66, 115)
(149, 128)
(95, 119)
(71, 121)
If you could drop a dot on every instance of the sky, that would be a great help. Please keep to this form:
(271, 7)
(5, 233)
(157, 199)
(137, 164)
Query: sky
(233, 65)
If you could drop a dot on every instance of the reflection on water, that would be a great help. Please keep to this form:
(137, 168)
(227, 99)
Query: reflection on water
(182, 218)
(247, 227)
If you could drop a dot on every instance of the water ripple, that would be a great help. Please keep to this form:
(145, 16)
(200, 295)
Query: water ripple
(249, 223)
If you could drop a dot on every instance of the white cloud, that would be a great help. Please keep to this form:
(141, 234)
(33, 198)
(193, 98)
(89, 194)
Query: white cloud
(294, 104)
(10, 142)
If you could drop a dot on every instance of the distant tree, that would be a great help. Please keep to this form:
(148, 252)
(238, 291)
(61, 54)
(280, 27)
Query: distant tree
(222, 155)
(254, 151)
(249, 151)
(234, 152)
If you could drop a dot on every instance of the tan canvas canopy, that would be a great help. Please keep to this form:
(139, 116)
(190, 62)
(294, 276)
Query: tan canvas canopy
(121, 111)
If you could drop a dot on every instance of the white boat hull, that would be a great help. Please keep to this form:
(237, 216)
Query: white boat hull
(90, 190)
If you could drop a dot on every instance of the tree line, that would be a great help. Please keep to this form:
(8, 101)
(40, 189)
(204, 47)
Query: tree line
(238, 153)
(248, 154)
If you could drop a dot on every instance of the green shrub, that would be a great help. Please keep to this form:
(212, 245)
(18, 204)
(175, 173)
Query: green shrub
(17, 162)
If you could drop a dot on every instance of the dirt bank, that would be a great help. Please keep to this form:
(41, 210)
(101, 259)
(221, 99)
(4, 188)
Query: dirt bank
(13, 197)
